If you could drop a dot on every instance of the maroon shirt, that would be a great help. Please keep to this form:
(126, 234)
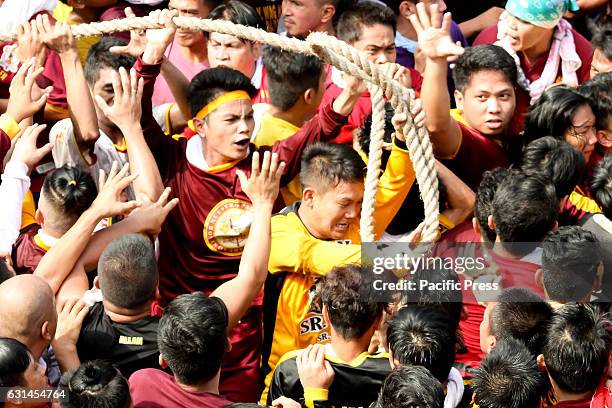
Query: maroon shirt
(534, 71)
(201, 240)
(27, 253)
(5, 146)
(151, 388)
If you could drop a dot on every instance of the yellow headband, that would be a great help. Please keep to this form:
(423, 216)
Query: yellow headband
(222, 100)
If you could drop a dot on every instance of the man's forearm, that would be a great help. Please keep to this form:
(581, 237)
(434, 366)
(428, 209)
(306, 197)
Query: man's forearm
(80, 103)
(179, 86)
(143, 163)
(345, 102)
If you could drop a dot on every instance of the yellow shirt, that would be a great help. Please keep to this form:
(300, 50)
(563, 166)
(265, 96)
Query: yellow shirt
(297, 259)
(271, 130)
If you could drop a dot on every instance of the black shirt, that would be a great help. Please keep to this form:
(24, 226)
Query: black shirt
(130, 346)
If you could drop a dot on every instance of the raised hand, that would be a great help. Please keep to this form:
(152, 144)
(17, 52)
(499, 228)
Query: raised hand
(159, 39)
(71, 314)
(399, 73)
(25, 150)
(138, 40)
(21, 104)
(57, 37)
(126, 108)
(151, 215)
(30, 43)
(433, 30)
(263, 184)
(108, 203)
(313, 369)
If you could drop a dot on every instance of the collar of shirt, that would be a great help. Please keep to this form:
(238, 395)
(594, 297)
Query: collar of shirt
(258, 75)
(195, 153)
(404, 42)
(47, 239)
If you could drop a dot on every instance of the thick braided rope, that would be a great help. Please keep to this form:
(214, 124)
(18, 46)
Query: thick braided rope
(377, 136)
(343, 57)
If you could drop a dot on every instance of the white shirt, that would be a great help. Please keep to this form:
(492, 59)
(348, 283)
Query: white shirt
(15, 184)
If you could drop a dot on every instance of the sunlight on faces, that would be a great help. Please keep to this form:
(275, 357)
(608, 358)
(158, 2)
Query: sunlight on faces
(524, 35)
(189, 8)
(229, 51)
(334, 209)
(487, 102)
(227, 132)
(302, 16)
(378, 41)
(600, 63)
(582, 135)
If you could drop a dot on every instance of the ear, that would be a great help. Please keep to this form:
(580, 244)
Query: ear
(541, 362)
(491, 342)
(325, 314)
(491, 222)
(539, 278)
(45, 331)
(601, 137)
(96, 282)
(459, 100)
(476, 225)
(200, 126)
(229, 344)
(162, 363)
(308, 195)
(327, 13)
(40, 218)
(407, 9)
(598, 278)
(309, 96)
(256, 49)
(464, 313)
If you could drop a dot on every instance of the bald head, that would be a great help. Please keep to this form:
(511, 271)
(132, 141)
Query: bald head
(27, 311)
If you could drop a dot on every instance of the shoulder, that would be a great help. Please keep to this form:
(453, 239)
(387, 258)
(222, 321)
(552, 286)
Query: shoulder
(150, 376)
(487, 36)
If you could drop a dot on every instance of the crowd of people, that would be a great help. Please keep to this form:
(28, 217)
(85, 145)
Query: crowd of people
(180, 209)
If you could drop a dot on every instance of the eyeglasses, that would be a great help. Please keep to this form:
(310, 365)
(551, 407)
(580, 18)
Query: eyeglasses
(581, 132)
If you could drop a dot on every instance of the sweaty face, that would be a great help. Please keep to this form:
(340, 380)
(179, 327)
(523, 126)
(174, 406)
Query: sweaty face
(524, 35)
(582, 134)
(189, 8)
(600, 63)
(487, 102)
(301, 16)
(227, 132)
(229, 51)
(337, 208)
(378, 41)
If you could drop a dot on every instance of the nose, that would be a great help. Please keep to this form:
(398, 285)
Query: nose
(592, 136)
(381, 58)
(493, 106)
(243, 126)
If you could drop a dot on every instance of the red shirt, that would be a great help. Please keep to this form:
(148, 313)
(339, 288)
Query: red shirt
(5, 146)
(534, 71)
(27, 253)
(476, 154)
(151, 388)
(363, 108)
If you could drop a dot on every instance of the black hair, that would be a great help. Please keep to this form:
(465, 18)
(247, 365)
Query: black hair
(70, 190)
(577, 347)
(449, 300)
(95, 384)
(602, 40)
(483, 206)
(411, 387)
(509, 377)
(325, 165)
(525, 209)
(554, 159)
(598, 91)
(290, 74)
(127, 270)
(237, 12)
(212, 82)
(523, 315)
(424, 336)
(350, 312)
(15, 358)
(364, 14)
(570, 258)
(483, 58)
(552, 113)
(192, 337)
(99, 57)
(601, 185)
(5, 271)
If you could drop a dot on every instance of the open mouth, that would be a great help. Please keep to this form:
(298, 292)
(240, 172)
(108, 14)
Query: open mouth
(243, 142)
(494, 123)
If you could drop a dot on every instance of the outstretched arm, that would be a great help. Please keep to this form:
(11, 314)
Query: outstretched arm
(80, 104)
(262, 189)
(437, 46)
